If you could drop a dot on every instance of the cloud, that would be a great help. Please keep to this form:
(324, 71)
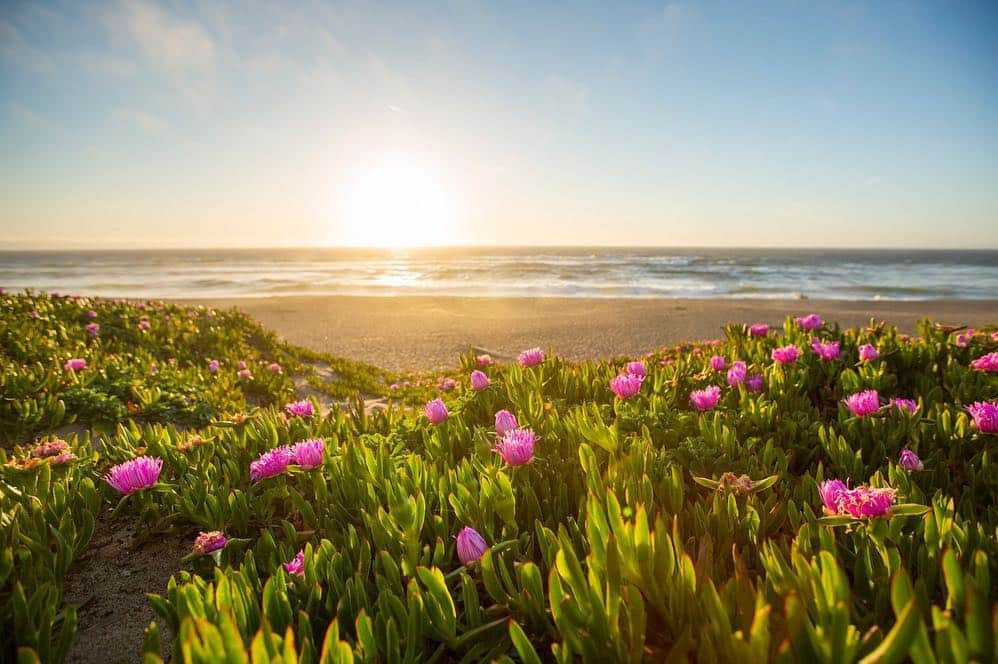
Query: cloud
(140, 119)
(665, 29)
(27, 117)
(566, 94)
(14, 49)
(107, 66)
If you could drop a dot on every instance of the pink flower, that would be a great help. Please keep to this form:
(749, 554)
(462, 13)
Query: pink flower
(50, 449)
(826, 351)
(910, 461)
(718, 363)
(625, 386)
(297, 564)
(470, 546)
(213, 366)
(810, 322)
(754, 383)
(270, 463)
(832, 492)
(91, 314)
(303, 409)
(245, 374)
(131, 476)
(153, 368)
(863, 403)
(985, 415)
(275, 368)
(448, 384)
(505, 421)
(904, 405)
(706, 398)
(436, 411)
(963, 339)
(75, 364)
(987, 362)
(516, 447)
(208, 542)
(868, 352)
(241, 365)
(144, 324)
(636, 368)
(308, 453)
(479, 381)
(531, 357)
(34, 313)
(867, 502)
(786, 354)
(737, 373)
(93, 329)
(758, 330)
(994, 336)
(483, 360)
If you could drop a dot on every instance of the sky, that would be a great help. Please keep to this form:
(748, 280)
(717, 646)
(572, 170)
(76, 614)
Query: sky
(209, 123)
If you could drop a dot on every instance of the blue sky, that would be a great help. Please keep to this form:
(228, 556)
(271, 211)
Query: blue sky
(749, 124)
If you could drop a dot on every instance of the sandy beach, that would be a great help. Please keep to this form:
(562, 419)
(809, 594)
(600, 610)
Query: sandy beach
(418, 332)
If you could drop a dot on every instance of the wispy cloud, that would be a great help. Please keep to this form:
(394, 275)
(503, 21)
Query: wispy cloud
(15, 50)
(139, 119)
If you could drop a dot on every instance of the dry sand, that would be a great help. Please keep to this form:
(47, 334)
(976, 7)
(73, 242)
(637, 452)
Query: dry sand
(425, 332)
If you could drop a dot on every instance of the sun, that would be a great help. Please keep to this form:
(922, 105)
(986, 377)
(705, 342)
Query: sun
(396, 201)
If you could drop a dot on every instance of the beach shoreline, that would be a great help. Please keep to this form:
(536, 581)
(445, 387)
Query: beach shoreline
(423, 332)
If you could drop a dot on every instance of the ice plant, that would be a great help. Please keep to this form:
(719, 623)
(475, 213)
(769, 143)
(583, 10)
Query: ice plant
(737, 373)
(706, 398)
(483, 360)
(208, 542)
(531, 357)
(985, 415)
(863, 403)
(987, 362)
(810, 322)
(636, 368)
(832, 494)
(479, 381)
(75, 364)
(297, 564)
(625, 386)
(516, 447)
(718, 363)
(505, 421)
(904, 405)
(825, 350)
(448, 384)
(144, 324)
(308, 453)
(134, 475)
(274, 367)
(868, 502)
(758, 330)
(245, 374)
(213, 366)
(754, 383)
(303, 408)
(910, 461)
(93, 329)
(868, 352)
(91, 314)
(436, 411)
(470, 546)
(270, 463)
(241, 365)
(785, 354)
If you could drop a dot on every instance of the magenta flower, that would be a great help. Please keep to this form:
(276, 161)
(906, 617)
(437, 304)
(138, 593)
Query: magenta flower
(904, 405)
(479, 381)
(625, 386)
(297, 564)
(50, 449)
(93, 329)
(758, 330)
(91, 314)
(483, 360)
(470, 546)
(270, 463)
(131, 476)
(737, 373)
(75, 364)
(436, 411)
(144, 324)
(241, 365)
(827, 351)
(863, 403)
(963, 339)
(867, 502)
(754, 383)
(245, 374)
(505, 421)
(810, 322)
(34, 313)
(308, 453)
(987, 362)
(786, 354)
(531, 357)
(213, 366)
(910, 461)
(868, 352)
(994, 336)
(274, 367)
(985, 415)
(516, 447)
(153, 368)
(303, 409)
(706, 398)
(718, 363)
(448, 384)
(832, 492)
(636, 368)
(209, 542)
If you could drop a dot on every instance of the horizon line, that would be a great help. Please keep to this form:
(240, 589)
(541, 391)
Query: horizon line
(324, 247)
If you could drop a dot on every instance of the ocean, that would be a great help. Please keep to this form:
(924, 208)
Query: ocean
(511, 272)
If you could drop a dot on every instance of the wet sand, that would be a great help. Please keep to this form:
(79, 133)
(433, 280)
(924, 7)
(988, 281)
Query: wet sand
(425, 332)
